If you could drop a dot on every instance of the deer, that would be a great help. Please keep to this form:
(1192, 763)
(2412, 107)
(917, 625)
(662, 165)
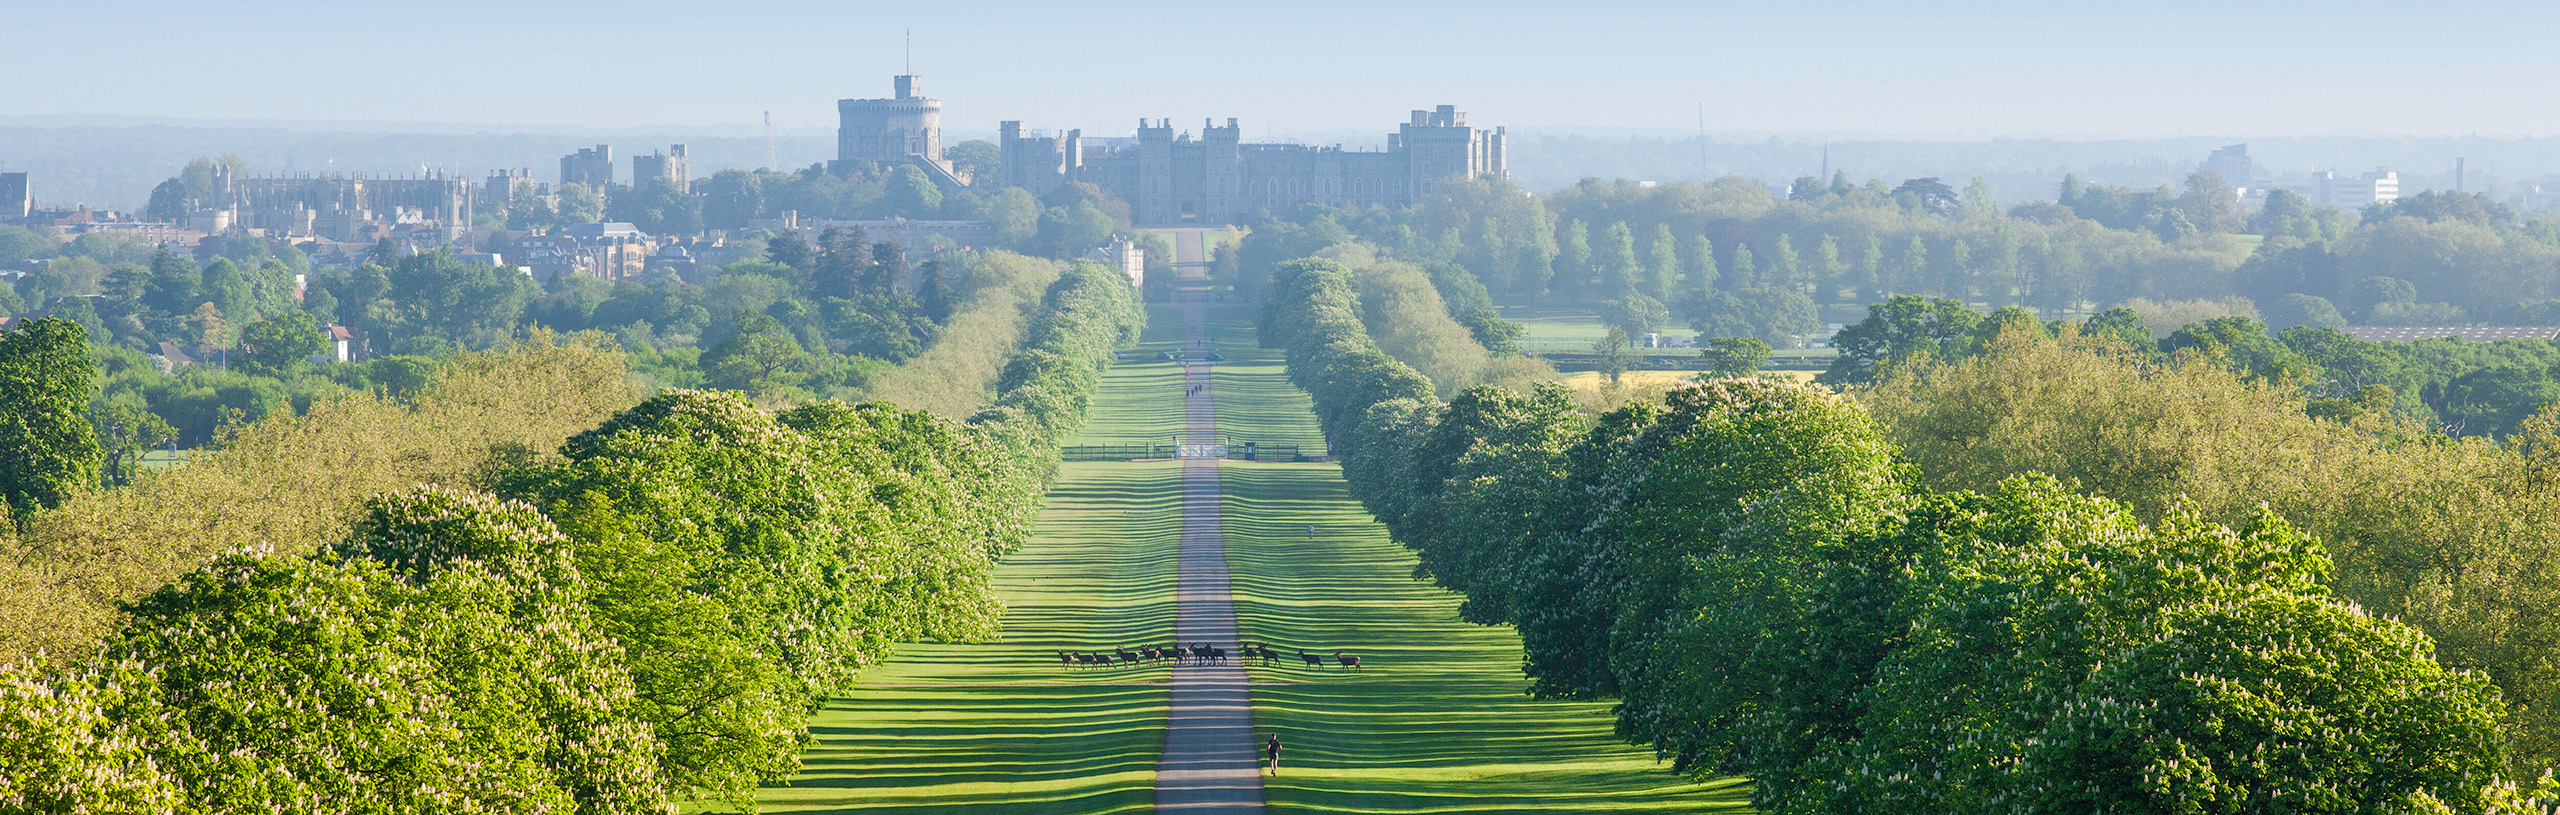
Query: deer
(1349, 663)
(1312, 660)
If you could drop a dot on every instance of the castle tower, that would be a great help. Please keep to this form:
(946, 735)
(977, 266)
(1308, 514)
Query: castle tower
(890, 130)
(1438, 145)
(669, 165)
(591, 167)
(1222, 172)
(1155, 173)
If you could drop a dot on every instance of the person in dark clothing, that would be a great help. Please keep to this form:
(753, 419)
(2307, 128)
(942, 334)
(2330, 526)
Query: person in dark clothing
(1272, 748)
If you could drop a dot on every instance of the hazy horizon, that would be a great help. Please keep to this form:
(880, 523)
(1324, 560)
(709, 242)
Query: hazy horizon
(1969, 70)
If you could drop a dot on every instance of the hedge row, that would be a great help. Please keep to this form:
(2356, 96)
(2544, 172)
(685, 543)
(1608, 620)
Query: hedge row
(1751, 570)
(650, 620)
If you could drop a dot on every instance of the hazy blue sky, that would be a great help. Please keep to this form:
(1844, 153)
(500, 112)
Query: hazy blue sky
(1971, 69)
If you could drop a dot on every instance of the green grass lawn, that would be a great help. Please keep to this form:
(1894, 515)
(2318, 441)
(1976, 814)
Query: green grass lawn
(1001, 727)
(1552, 330)
(1140, 399)
(1255, 400)
(1436, 720)
(1566, 330)
(1436, 723)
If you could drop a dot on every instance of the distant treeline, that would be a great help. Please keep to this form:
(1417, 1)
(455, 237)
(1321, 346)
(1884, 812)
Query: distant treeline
(1733, 259)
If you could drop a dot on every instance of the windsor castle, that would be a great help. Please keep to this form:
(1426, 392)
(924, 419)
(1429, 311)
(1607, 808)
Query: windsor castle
(1172, 178)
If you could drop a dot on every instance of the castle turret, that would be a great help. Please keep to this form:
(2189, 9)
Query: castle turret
(1222, 170)
(1439, 145)
(890, 130)
(1155, 172)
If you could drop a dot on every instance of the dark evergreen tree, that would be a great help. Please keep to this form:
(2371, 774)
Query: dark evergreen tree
(933, 287)
(888, 269)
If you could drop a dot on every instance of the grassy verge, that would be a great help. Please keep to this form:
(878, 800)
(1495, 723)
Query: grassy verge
(1141, 398)
(1435, 721)
(1553, 329)
(1255, 400)
(1001, 727)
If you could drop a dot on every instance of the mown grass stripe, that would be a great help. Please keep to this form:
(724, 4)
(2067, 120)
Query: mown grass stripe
(1436, 720)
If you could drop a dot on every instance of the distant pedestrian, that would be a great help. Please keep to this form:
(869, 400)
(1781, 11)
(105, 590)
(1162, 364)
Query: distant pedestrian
(1311, 531)
(1272, 748)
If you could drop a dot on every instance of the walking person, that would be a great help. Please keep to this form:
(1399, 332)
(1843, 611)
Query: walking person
(1272, 748)
(1311, 531)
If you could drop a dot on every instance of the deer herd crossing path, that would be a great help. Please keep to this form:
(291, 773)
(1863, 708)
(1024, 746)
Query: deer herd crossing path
(1209, 764)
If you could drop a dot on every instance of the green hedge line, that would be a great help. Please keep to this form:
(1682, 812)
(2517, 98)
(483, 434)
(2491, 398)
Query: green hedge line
(651, 620)
(1752, 571)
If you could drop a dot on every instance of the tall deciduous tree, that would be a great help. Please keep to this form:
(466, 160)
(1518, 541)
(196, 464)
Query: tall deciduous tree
(1616, 261)
(1734, 356)
(1785, 266)
(124, 432)
(1827, 271)
(1573, 262)
(47, 446)
(1662, 266)
(1899, 329)
(276, 346)
(1698, 264)
(913, 194)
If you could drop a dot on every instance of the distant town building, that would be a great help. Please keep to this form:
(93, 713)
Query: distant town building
(341, 346)
(669, 165)
(2536, 196)
(609, 251)
(2232, 163)
(15, 202)
(1125, 255)
(590, 166)
(1171, 178)
(345, 208)
(921, 239)
(504, 185)
(2377, 187)
(603, 230)
(674, 257)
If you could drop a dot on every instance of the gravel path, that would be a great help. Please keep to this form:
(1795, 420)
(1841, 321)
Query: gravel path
(1210, 763)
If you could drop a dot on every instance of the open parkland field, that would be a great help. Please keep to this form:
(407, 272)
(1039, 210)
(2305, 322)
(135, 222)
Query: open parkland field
(1434, 721)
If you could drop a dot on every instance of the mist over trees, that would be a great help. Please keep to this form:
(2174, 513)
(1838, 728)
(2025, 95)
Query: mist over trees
(1914, 266)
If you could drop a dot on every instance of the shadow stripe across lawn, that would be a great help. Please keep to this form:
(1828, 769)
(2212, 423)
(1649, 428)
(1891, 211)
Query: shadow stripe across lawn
(1436, 720)
(1001, 727)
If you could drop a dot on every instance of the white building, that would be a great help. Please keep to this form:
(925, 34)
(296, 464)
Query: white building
(2232, 163)
(2377, 187)
(1125, 255)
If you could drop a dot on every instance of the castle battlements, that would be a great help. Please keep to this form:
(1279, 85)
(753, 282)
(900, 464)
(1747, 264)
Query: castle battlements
(1172, 176)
